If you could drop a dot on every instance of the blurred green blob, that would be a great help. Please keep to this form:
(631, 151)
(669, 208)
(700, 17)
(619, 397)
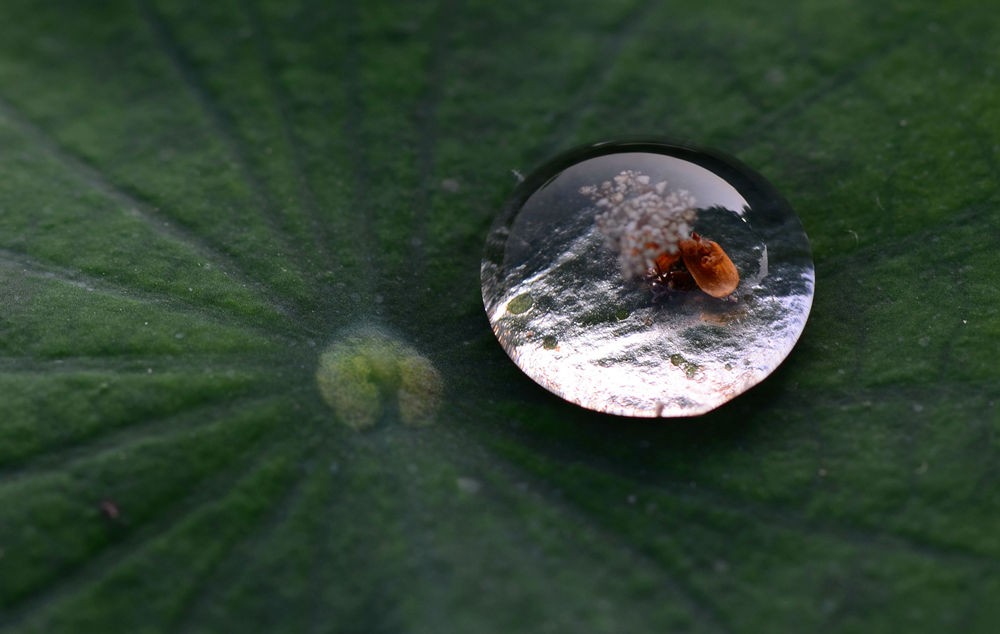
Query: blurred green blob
(362, 373)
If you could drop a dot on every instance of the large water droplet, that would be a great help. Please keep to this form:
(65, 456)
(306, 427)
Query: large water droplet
(647, 278)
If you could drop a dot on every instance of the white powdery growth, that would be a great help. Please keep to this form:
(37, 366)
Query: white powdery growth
(641, 221)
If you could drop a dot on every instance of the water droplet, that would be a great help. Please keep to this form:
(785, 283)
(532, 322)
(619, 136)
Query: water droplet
(672, 278)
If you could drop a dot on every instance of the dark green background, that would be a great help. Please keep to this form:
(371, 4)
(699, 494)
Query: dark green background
(197, 197)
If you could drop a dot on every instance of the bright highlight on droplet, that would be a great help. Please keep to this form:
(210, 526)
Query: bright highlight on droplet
(364, 374)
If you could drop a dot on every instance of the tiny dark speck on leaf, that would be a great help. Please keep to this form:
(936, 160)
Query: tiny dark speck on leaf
(109, 510)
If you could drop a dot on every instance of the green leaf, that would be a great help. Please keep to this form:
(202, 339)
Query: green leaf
(233, 233)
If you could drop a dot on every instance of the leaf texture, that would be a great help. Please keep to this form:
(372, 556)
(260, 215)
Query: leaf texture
(198, 199)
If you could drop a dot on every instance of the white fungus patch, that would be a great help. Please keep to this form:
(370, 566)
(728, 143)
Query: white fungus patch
(641, 220)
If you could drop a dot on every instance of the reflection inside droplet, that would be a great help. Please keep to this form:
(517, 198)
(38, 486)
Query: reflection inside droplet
(647, 279)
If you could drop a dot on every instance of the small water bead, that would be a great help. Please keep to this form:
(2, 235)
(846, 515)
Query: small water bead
(647, 278)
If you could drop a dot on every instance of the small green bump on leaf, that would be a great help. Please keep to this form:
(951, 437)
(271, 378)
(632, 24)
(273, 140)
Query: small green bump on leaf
(420, 390)
(358, 374)
(549, 342)
(604, 315)
(690, 369)
(520, 304)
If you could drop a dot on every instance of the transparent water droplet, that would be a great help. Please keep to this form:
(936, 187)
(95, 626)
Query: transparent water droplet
(646, 278)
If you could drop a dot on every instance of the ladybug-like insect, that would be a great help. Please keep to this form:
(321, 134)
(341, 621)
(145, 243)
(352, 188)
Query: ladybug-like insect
(699, 263)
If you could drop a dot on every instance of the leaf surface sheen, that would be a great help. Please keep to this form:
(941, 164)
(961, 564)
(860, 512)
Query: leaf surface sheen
(197, 199)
